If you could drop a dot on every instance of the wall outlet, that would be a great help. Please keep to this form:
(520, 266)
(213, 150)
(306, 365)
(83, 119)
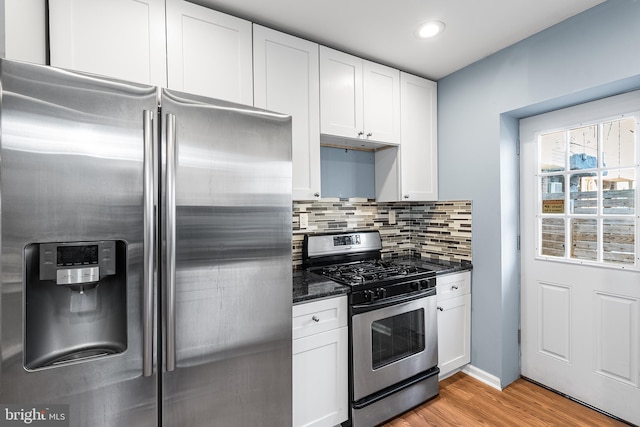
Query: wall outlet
(392, 217)
(304, 220)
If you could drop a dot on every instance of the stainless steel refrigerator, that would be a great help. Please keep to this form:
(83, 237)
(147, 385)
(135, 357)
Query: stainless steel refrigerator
(146, 254)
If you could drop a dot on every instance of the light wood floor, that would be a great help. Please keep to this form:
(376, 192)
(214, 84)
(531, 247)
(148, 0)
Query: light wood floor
(465, 401)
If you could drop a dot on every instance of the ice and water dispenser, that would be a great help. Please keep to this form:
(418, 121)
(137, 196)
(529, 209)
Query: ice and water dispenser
(75, 301)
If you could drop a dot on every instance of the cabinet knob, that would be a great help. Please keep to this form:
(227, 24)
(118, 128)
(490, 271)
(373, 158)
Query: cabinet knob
(440, 308)
(316, 194)
(315, 319)
(369, 135)
(361, 134)
(406, 196)
(454, 287)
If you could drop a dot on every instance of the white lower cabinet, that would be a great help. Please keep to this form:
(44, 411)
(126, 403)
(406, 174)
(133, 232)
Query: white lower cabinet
(454, 322)
(320, 356)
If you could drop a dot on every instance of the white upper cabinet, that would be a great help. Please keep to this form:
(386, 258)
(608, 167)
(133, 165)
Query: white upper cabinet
(419, 148)
(209, 53)
(286, 80)
(24, 29)
(409, 172)
(341, 102)
(381, 102)
(358, 98)
(183, 46)
(118, 38)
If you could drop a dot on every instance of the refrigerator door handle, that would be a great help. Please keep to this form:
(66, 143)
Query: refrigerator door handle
(149, 249)
(170, 236)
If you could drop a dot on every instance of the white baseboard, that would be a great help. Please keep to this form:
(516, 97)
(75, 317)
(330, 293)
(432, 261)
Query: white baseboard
(485, 377)
(442, 376)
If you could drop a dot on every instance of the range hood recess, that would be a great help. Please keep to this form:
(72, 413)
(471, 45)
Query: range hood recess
(352, 143)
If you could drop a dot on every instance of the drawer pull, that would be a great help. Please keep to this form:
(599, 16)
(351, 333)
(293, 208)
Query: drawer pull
(440, 308)
(454, 287)
(315, 319)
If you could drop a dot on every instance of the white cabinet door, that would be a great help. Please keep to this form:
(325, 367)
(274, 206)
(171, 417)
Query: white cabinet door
(118, 38)
(286, 80)
(358, 98)
(341, 102)
(209, 53)
(454, 322)
(381, 90)
(320, 379)
(24, 25)
(419, 147)
(454, 333)
(409, 172)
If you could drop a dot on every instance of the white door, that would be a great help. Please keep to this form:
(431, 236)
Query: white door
(209, 53)
(118, 38)
(286, 80)
(341, 101)
(419, 147)
(580, 254)
(381, 107)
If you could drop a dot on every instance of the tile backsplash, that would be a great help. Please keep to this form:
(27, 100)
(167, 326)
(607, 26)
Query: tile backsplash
(440, 230)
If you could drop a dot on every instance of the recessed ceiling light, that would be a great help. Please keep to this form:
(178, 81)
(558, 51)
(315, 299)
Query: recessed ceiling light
(430, 29)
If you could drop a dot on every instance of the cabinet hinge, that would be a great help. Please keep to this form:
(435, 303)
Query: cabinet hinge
(517, 147)
(518, 243)
(519, 336)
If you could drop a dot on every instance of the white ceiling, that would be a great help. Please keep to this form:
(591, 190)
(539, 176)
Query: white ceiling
(383, 30)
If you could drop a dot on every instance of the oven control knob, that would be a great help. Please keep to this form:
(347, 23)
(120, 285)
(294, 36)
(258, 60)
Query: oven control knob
(424, 284)
(381, 293)
(369, 295)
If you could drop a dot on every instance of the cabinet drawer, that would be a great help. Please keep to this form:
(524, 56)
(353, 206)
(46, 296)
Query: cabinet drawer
(453, 285)
(319, 316)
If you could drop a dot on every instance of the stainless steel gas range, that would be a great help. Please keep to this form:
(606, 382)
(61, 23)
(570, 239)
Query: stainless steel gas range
(393, 346)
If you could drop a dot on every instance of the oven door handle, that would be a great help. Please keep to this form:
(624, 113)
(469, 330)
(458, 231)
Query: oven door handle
(388, 302)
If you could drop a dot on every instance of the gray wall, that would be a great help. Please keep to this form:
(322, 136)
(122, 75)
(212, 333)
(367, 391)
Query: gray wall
(590, 56)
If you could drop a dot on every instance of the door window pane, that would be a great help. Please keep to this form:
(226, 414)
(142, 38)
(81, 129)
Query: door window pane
(552, 187)
(584, 193)
(553, 237)
(553, 152)
(618, 192)
(618, 142)
(397, 337)
(583, 148)
(584, 239)
(618, 240)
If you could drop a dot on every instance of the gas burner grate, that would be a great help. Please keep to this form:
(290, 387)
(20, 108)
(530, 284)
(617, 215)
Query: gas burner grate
(368, 271)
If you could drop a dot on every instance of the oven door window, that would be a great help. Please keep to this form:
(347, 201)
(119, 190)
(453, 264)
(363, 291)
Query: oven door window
(394, 338)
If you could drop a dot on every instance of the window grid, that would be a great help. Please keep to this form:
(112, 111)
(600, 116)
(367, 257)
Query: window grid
(587, 193)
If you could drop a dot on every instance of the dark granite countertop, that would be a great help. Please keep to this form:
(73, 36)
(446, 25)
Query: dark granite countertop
(309, 286)
(439, 266)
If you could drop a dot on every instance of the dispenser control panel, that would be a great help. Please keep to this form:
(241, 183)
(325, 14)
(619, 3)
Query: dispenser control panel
(77, 262)
(77, 255)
